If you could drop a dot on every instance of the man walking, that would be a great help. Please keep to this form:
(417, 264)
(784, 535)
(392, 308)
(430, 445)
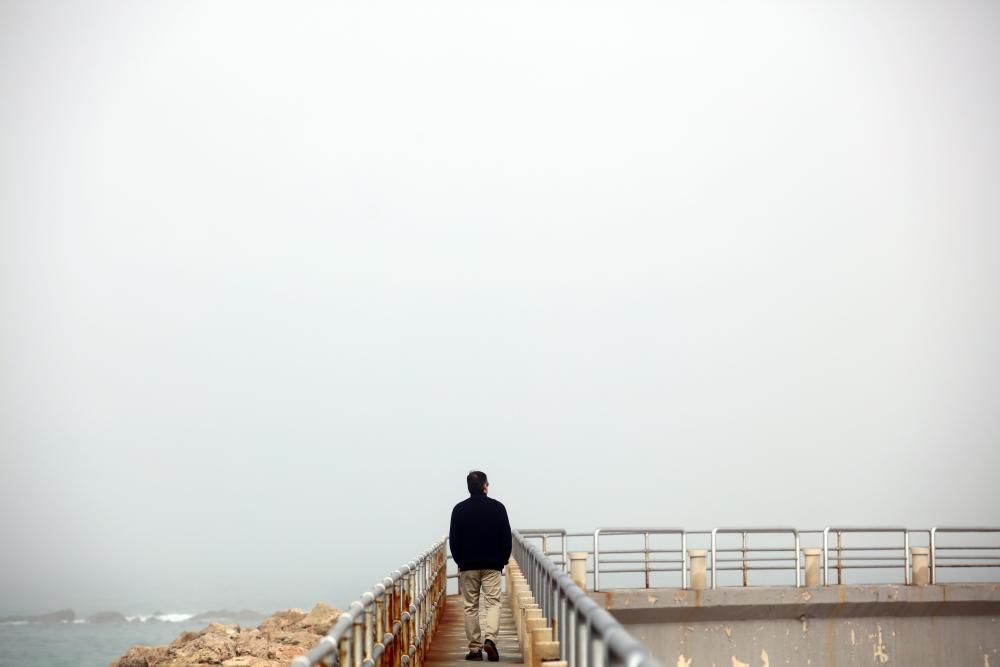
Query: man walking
(480, 544)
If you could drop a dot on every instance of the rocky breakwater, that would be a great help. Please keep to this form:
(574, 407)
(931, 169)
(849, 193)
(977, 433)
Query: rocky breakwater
(273, 643)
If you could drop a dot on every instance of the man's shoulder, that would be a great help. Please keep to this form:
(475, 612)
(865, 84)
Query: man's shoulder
(496, 504)
(479, 501)
(466, 504)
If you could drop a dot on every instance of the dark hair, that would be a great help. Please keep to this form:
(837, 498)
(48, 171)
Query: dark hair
(476, 481)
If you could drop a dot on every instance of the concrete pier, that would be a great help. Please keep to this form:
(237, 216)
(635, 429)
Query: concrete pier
(832, 626)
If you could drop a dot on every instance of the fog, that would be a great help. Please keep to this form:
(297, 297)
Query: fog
(275, 276)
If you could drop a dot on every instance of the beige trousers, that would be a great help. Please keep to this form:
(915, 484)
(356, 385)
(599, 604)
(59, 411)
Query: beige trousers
(489, 581)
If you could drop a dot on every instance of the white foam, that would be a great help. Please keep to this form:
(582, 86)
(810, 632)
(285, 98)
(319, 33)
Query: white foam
(174, 618)
(79, 620)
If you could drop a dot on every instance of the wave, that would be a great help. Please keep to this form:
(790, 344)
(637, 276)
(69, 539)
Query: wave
(174, 618)
(163, 618)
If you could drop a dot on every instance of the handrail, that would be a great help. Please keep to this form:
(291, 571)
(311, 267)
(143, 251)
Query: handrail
(589, 636)
(392, 625)
(857, 529)
(645, 532)
(545, 533)
(758, 531)
(868, 556)
(959, 529)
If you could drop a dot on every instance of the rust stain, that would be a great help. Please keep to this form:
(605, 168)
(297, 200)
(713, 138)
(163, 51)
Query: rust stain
(697, 598)
(680, 596)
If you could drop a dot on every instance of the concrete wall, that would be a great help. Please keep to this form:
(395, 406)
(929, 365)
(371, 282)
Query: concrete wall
(953, 625)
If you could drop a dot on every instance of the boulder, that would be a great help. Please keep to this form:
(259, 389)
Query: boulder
(142, 656)
(282, 620)
(274, 643)
(320, 618)
(214, 644)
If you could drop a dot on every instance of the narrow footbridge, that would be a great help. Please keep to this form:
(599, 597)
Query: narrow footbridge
(649, 597)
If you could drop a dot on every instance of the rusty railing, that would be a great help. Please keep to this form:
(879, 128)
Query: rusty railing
(393, 624)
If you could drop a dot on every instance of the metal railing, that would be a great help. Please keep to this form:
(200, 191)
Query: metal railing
(985, 555)
(392, 625)
(650, 565)
(863, 554)
(866, 557)
(588, 635)
(765, 560)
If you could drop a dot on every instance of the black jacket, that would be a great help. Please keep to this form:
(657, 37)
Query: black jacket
(480, 534)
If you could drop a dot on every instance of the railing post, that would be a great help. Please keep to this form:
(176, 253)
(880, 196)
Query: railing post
(369, 631)
(934, 555)
(581, 650)
(645, 553)
(714, 530)
(397, 617)
(684, 563)
(578, 568)
(840, 562)
(345, 650)
(698, 568)
(906, 557)
(597, 652)
(358, 640)
(921, 571)
(597, 559)
(826, 556)
(811, 557)
(743, 550)
(380, 624)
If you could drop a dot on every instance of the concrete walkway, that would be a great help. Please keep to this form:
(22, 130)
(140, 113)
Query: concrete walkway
(450, 645)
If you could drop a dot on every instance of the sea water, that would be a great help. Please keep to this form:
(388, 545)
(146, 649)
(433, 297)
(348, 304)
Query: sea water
(83, 644)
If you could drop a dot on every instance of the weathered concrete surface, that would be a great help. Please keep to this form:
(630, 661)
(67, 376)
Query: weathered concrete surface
(834, 626)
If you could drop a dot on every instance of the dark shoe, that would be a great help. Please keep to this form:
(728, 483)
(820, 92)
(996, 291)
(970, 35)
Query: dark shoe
(491, 650)
(474, 655)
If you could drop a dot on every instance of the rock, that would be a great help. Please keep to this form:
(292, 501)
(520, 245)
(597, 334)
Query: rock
(320, 618)
(282, 620)
(184, 638)
(214, 644)
(142, 656)
(274, 643)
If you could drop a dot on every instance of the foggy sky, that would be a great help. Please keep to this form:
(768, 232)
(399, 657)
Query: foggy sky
(275, 276)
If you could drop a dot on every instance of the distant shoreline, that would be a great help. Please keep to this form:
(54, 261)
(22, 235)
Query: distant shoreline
(105, 617)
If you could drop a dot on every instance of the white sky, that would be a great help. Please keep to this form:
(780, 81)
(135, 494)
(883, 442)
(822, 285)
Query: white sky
(275, 276)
